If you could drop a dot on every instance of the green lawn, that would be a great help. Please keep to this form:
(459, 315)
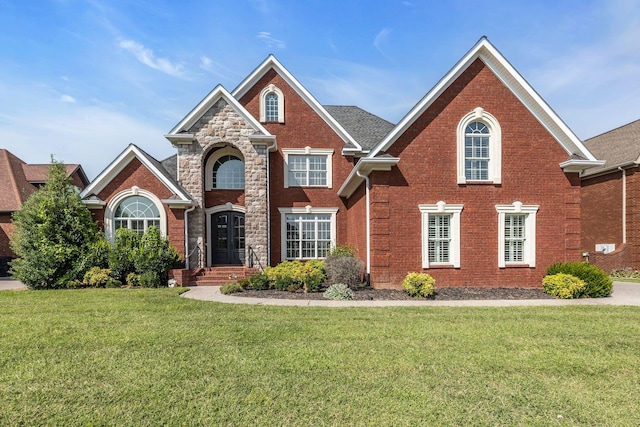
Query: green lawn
(147, 357)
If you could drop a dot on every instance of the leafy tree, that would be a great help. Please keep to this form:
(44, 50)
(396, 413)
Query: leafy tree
(54, 232)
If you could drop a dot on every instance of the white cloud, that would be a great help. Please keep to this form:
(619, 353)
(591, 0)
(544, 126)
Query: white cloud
(381, 38)
(67, 98)
(147, 57)
(270, 41)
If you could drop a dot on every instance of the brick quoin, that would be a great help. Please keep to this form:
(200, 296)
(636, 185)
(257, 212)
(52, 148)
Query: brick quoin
(530, 174)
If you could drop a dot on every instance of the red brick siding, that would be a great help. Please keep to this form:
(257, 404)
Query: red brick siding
(601, 210)
(6, 228)
(136, 174)
(220, 197)
(302, 127)
(357, 224)
(633, 217)
(530, 174)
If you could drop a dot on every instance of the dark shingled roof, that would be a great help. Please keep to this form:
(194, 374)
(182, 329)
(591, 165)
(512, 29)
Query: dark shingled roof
(617, 147)
(366, 128)
(170, 164)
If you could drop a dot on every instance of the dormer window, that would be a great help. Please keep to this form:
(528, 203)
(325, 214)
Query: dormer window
(272, 105)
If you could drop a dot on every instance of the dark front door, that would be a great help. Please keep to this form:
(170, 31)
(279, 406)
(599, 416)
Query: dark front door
(227, 234)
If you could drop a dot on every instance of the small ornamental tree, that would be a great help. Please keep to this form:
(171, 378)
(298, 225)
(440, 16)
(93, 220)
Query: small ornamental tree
(53, 233)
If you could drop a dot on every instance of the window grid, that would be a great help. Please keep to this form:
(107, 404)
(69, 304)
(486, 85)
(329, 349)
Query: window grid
(228, 173)
(476, 149)
(308, 236)
(307, 171)
(137, 213)
(514, 238)
(439, 238)
(271, 107)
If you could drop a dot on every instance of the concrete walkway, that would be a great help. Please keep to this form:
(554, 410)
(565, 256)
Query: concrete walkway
(623, 294)
(8, 284)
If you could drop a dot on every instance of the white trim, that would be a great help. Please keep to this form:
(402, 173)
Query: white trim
(530, 232)
(110, 209)
(306, 210)
(504, 71)
(308, 151)
(211, 161)
(454, 248)
(212, 210)
(363, 168)
(263, 104)
(272, 63)
(495, 145)
(118, 165)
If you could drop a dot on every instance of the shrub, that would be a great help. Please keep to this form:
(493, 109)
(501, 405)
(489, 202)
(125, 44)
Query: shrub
(150, 279)
(338, 291)
(597, 283)
(244, 283)
(563, 286)
(293, 275)
(343, 250)
(344, 269)
(259, 281)
(98, 277)
(626, 273)
(123, 254)
(418, 284)
(230, 288)
(155, 254)
(133, 279)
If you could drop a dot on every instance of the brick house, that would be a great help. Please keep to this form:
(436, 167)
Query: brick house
(610, 194)
(18, 180)
(478, 184)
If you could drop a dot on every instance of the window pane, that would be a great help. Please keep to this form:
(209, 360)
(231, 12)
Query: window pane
(307, 170)
(439, 238)
(271, 107)
(514, 234)
(228, 173)
(476, 151)
(136, 213)
(308, 235)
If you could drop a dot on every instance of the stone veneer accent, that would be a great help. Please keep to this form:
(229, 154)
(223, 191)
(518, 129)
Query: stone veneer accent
(223, 126)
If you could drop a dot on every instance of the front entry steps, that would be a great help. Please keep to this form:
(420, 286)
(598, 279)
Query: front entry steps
(220, 275)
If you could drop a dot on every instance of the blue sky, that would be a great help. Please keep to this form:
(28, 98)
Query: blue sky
(81, 79)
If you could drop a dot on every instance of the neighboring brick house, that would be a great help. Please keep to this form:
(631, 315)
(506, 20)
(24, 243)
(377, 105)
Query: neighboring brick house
(478, 184)
(611, 200)
(18, 180)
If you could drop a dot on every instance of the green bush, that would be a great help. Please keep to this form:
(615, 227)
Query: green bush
(259, 281)
(155, 254)
(626, 273)
(244, 283)
(123, 254)
(343, 250)
(150, 279)
(293, 275)
(133, 279)
(344, 269)
(98, 277)
(419, 284)
(563, 286)
(230, 288)
(597, 283)
(338, 291)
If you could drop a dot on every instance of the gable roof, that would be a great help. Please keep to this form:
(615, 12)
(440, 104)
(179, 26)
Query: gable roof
(618, 147)
(179, 197)
(366, 128)
(508, 75)
(271, 63)
(19, 179)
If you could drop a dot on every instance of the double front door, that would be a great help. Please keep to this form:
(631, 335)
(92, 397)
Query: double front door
(227, 237)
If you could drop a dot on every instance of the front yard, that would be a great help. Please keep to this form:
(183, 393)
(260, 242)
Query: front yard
(147, 357)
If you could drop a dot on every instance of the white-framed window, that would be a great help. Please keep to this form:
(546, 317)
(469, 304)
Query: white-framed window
(307, 167)
(440, 234)
(136, 209)
(479, 148)
(516, 234)
(271, 104)
(224, 170)
(307, 233)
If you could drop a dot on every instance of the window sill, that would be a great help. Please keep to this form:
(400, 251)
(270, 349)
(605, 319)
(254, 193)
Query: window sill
(440, 267)
(517, 266)
(479, 183)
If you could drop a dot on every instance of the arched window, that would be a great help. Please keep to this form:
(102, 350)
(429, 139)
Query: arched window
(271, 105)
(479, 149)
(228, 173)
(136, 213)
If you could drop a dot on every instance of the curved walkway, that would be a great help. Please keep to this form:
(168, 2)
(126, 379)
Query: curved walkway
(623, 294)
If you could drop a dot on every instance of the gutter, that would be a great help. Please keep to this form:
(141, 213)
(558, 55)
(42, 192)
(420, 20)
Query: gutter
(186, 236)
(624, 204)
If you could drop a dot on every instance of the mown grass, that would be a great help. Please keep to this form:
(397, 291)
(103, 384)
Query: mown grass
(147, 357)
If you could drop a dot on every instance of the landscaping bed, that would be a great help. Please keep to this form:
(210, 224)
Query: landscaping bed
(444, 294)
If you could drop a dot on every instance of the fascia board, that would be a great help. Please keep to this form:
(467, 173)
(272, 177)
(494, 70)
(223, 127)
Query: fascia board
(272, 62)
(199, 110)
(580, 165)
(364, 166)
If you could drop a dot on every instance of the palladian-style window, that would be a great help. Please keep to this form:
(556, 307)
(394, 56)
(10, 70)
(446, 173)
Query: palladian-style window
(136, 213)
(228, 173)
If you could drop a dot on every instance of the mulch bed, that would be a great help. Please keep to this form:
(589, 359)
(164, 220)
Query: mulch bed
(445, 294)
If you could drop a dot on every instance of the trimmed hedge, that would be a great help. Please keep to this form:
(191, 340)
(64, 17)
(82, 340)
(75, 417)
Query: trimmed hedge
(563, 286)
(419, 284)
(598, 284)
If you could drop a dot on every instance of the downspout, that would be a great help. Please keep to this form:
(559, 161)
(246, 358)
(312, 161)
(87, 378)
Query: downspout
(624, 204)
(186, 236)
(269, 148)
(368, 230)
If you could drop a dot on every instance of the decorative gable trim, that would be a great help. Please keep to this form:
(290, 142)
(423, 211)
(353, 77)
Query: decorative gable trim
(272, 63)
(117, 166)
(180, 133)
(508, 75)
